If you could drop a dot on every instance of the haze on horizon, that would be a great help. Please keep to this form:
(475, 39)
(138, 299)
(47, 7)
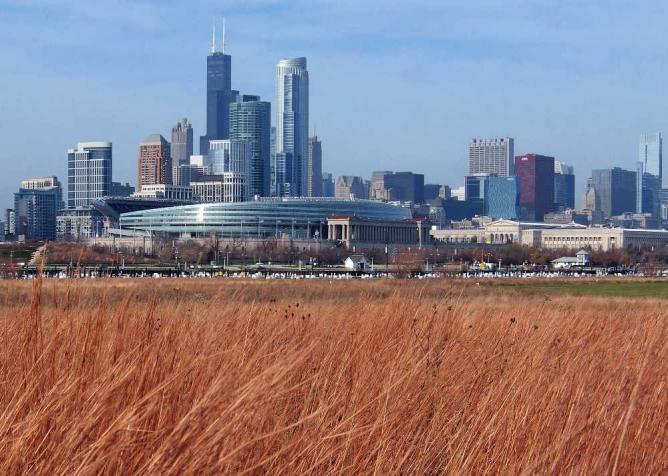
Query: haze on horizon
(393, 86)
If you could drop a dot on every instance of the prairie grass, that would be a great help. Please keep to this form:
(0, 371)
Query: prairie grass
(202, 377)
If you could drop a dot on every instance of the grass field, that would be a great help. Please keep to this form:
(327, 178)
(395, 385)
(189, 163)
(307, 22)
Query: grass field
(403, 377)
(628, 287)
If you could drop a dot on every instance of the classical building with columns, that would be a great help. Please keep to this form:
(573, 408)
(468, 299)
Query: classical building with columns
(352, 230)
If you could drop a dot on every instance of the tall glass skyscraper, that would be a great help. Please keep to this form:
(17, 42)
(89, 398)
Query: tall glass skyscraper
(219, 95)
(88, 173)
(651, 154)
(502, 197)
(564, 186)
(292, 122)
(250, 121)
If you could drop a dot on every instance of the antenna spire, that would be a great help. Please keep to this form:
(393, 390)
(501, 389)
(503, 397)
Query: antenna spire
(223, 34)
(213, 39)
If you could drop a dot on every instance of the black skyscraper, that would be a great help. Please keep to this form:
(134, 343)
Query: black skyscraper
(219, 95)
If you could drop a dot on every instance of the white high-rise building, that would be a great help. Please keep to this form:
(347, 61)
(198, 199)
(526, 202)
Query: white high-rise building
(292, 126)
(492, 156)
(651, 154)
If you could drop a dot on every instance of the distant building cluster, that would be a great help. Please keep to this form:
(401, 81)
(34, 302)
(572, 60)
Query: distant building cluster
(251, 154)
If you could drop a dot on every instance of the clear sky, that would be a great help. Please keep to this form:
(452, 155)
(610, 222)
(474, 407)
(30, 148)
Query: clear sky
(395, 84)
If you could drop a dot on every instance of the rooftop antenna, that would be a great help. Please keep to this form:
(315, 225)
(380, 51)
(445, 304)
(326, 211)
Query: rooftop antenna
(223, 34)
(213, 39)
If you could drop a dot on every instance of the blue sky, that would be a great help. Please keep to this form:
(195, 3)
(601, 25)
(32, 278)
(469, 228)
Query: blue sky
(394, 84)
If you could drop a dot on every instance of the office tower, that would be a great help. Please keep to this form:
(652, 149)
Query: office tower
(88, 173)
(327, 185)
(502, 197)
(399, 186)
(314, 167)
(119, 189)
(647, 191)
(155, 162)
(349, 186)
(219, 94)
(432, 191)
(182, 142)
(36, 205)
(651, 154)
(475, 186)
(536, 178)
(378, 191)
(231, 159)
(250, 121)
(564, 186)
(614, 191)
(491, 156)
(292, 111)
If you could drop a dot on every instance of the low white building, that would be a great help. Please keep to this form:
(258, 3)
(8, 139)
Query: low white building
(357, 262)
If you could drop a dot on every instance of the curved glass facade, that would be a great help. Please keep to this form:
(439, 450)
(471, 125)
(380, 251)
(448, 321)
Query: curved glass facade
(297, 217)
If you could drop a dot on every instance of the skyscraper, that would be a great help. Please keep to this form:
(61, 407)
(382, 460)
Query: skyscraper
(250, 121)
(36, 205)
(502, 197)
(491, 156)
(219, 94)
(230, 160)
(564, 186)
(155, 162)
(399, 186)
(88, 173)
(292, 119)
(647, 191)
(536, 178)
(314, 168)
(348, 186)
(651, 154)
(614, 191)
(182, 142)
(327, 185)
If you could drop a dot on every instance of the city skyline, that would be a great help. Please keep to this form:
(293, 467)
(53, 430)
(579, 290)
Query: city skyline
(355, 130)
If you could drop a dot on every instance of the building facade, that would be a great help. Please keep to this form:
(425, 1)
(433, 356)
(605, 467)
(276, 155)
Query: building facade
(250, 121)
(491, 156)
(564, 186)
(182, 142)
(166, 191)
(119, 189)
(353, 231)
(155, 162)
(314, 168)
(89, 168)
(502, 197)
(327, 185)
(613, 191)
(292, 118)
(35, 208)
(349, 186)
(536, 178)
(228, 187)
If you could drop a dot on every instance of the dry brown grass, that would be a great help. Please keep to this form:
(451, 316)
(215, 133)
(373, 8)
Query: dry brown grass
(185, 377)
